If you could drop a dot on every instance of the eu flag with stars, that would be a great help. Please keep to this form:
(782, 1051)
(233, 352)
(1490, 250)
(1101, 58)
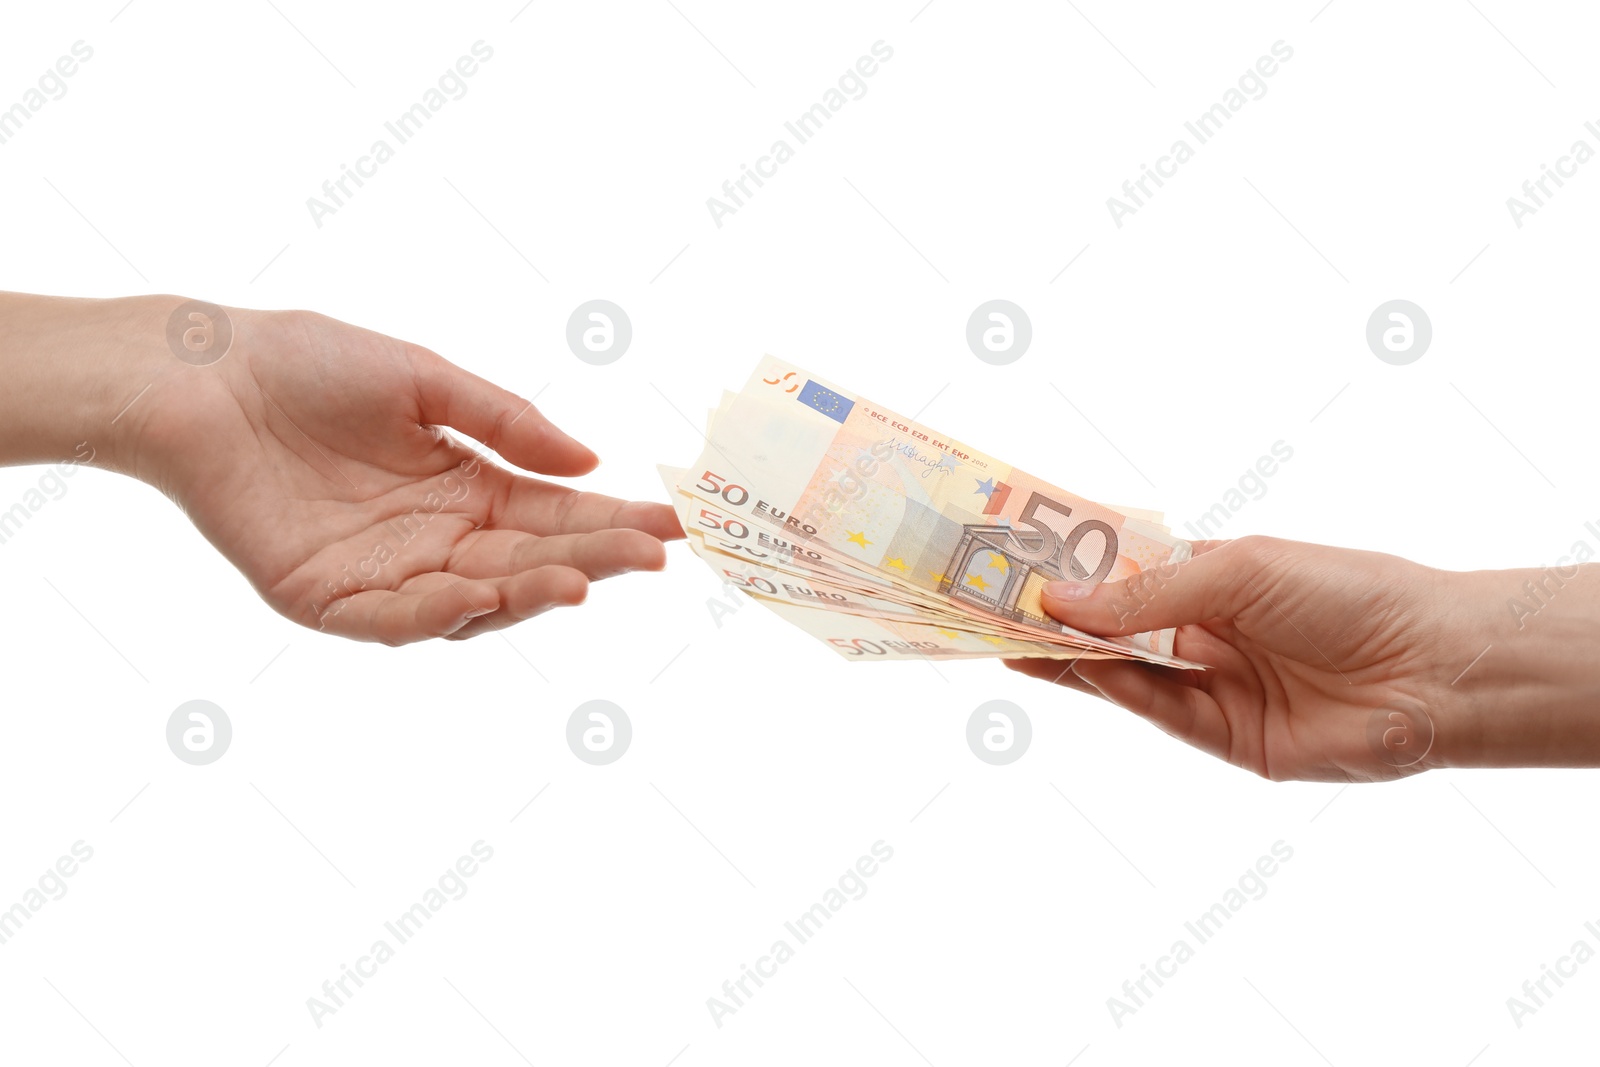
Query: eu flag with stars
(826, 401)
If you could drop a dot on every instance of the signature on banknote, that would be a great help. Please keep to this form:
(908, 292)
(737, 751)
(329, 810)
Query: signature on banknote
(931, 464)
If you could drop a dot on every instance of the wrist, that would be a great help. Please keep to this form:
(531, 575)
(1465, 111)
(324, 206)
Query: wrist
(1524, 670)
(82, 377)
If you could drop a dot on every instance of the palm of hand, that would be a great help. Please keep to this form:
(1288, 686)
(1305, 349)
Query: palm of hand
(312, 457)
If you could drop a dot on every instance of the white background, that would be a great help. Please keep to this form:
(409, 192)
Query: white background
(1227, 314)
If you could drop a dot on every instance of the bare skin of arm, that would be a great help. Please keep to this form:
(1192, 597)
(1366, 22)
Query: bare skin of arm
(316, 457)
(1331, 664)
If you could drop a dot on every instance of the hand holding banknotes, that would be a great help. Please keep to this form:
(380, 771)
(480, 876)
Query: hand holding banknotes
(887, 539)
(1331, 664)
(313, 455)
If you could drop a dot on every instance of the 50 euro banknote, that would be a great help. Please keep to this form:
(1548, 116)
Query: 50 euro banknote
(917, 508)
(849, 616)
(767, 564)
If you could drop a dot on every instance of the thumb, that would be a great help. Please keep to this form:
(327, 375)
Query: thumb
(1216, 583)
(512, 426)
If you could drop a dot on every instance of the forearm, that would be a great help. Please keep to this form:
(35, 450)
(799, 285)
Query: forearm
(73, 371)
(1526, 692)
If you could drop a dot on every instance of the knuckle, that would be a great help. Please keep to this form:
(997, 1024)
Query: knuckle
(1135, 593)
(496, 436)
(1142, 586)
(1256, 550)
(566, 506)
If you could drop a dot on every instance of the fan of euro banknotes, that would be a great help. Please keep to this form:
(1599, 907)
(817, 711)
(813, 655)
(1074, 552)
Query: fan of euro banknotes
(887, 539)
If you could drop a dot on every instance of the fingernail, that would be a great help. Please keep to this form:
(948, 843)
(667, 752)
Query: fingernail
(475, 612)
(1067, 590)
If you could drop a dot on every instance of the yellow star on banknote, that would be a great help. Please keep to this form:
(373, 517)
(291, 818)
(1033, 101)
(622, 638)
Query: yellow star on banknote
(951, 634)
(993, 640)
(999, 562)
(860, 538)
(896, 562)
(976, 581)
(938, 577)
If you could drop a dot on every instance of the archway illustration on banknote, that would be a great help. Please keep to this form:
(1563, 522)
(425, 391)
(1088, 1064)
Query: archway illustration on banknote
(995, 566)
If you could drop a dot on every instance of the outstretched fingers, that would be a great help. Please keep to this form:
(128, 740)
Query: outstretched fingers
(436, 609)
(542, 508)
(452, 606)
(512, 426)
(492, 554)
(522, 596)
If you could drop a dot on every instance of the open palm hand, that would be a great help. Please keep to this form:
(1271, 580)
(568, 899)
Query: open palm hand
(314, 456)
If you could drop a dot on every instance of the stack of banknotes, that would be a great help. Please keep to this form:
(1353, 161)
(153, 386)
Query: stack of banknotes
(887, 539)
